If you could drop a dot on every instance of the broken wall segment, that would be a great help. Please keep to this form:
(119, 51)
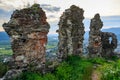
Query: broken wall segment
(109, 43)
(71, 32)
(95, 43)
(100, 44)
(28, 31)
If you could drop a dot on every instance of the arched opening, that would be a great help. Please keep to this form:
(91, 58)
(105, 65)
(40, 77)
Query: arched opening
(110, 40)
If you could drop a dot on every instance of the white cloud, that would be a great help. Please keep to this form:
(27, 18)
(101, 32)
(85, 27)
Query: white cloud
(11, 5)
(8, 5)
(54, 8)
(107, 27)
(52, 12)
(50, 8)
(52, 32)
(3, 20)
(1, 29)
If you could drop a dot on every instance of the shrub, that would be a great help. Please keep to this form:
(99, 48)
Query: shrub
(29, 76)
(98, 60)
(49, 76)
(63, 72)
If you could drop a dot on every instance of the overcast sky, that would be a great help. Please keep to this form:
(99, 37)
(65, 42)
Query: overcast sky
(54, 8)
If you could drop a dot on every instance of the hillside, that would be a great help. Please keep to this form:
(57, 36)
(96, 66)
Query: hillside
(114, 30)
(4, 36)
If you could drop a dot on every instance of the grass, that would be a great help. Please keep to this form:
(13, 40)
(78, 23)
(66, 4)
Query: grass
(73, 68)
(76, 68)
(6, 52)
(110, 70)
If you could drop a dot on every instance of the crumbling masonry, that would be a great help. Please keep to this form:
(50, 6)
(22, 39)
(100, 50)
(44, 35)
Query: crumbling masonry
(95, 43)
(100, 44)
(71, 32)
(28, 31)
(109, 43)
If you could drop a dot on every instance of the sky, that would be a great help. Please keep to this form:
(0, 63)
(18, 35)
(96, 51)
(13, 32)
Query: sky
(54, 9)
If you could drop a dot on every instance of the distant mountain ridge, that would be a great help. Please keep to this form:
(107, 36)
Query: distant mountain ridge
(4, 36)
(113, 30)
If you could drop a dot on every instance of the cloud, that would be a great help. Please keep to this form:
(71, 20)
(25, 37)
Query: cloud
(52, 12)
(50, 8)
(8, 6)
(4, 17)
(3, 20)
(1, 29)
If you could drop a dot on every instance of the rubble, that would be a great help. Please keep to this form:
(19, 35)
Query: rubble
(11, 74)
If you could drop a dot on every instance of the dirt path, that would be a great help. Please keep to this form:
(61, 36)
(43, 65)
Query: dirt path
(95, 75)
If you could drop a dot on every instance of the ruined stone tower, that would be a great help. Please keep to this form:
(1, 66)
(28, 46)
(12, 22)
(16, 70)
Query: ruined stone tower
(28, 31)
(95, 45)
(71, 31)
(100, 44)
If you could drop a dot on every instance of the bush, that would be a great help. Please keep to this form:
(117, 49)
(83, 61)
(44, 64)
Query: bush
(63, 72)
(3, 69)
(29, 76)
(110, 71)
(98, 60)
(49, 76)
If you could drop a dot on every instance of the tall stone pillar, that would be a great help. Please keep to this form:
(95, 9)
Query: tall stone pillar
(71, 32)
(95, 44)
(28, 31)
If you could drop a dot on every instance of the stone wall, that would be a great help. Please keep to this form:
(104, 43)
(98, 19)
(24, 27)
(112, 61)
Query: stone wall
(101, 44)
(71, 32)
(95, 44)
(109, 43)
(28, 31)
